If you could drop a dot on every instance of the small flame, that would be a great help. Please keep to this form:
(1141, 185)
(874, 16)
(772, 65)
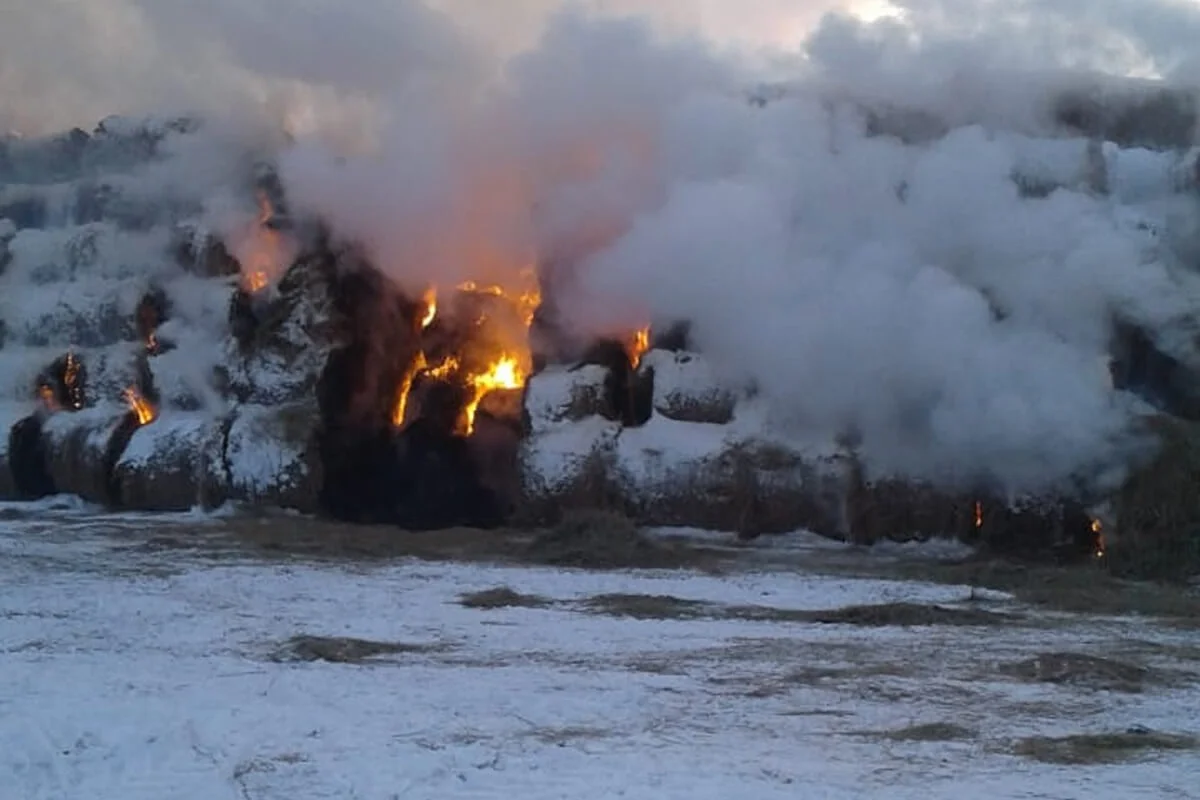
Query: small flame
(401, 408)
(151, 343)
(637, 346)
(263, 250)
(256, 281)
(978, 514)
(431, 308)
(1098, 530)
(46, 395)
(71, 381)
(140, 406)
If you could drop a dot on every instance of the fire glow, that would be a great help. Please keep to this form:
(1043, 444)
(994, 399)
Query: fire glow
(1098, 532)
(262, 251)
(140, 406)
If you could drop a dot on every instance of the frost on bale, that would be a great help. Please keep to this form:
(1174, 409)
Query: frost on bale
(82, 449)
(686, 389)
(174, 464)
(568, 465)
(561, 394)
(272, 456)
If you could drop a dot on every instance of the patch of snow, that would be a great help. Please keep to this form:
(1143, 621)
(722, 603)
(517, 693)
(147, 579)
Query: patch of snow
(142, 674)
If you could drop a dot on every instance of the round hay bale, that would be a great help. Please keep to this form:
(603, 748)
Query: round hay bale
(696, 475)
(82, 448)
(686, 389)
(27, 459)
(273, 456)
(173, 464)
(557, 395)
(567, 466)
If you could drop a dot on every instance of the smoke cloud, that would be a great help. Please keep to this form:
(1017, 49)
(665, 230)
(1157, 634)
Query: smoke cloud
(899, 286)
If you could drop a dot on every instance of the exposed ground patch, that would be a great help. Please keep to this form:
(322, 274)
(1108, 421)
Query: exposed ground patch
(931, 732)
(1101, 748)
(346, 650)
(604, 540)
(1085, 671)
(882, 615)
(502, 597)
(1083, 590)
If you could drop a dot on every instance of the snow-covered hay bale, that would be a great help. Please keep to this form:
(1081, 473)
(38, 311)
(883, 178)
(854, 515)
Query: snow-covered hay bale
(698, 475)
(557, 395)
(173, 464)
(567, 466)
(273, 457)
(686, 388)
(82, 448)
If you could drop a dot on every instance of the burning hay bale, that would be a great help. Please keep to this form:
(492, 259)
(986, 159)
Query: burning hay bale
(557, 395)
(686, 388)
(273, 456)
(175, 464)
(82, 449)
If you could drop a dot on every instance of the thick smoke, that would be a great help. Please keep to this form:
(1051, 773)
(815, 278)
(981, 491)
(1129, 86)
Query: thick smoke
(900, 287)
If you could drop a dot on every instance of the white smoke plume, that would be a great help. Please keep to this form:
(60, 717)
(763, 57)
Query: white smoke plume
(907, 291)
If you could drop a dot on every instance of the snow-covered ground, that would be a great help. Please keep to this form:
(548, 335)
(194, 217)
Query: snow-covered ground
(132, 671)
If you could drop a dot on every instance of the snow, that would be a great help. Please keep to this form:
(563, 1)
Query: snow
(133, 672)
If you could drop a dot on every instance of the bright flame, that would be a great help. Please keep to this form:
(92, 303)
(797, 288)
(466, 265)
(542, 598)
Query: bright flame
(1098, 529)
(151, 343)
(505, 373)
(978, 514)
(507, 366)
(140, 406)
(401, 409)
(637, 346)
(430, 300)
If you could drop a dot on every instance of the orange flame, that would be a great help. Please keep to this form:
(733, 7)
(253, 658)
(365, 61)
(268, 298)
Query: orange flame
(46, 395)
(140, 406)
(431, 308)
(504, 373)
(151, 343)
(71, 381)
(637, 346)
(1098, 530)
(978, 514)
(262, 251)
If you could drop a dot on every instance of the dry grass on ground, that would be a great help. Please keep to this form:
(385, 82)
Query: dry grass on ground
(345, 650)
(502, 597)
(1100, 748)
